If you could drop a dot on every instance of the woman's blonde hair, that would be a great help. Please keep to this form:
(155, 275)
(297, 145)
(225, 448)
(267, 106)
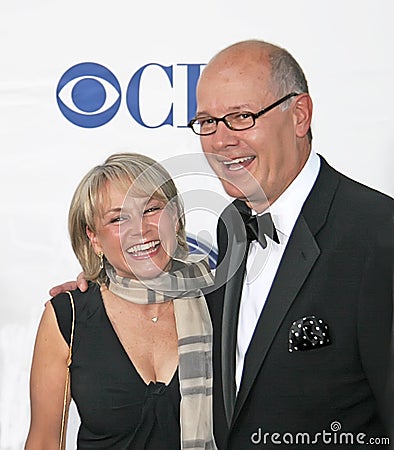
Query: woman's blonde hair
(146, 177)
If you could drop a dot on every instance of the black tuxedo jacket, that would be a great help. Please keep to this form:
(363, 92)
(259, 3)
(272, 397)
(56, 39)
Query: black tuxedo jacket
(338, 267)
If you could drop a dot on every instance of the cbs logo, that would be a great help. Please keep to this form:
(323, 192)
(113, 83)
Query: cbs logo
(89, 95)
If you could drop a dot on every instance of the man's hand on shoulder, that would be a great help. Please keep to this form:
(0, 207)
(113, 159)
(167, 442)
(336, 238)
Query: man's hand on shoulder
(80, 284)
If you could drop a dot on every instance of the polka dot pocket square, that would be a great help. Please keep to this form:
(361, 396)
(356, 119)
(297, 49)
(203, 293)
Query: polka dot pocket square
(308, 333)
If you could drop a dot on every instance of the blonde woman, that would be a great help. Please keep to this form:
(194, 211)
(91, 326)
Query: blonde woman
(141, 370)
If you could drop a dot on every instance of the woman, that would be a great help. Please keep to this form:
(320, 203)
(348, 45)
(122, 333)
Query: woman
(141, 369)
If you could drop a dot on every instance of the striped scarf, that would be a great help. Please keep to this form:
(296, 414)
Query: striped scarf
(183, 284)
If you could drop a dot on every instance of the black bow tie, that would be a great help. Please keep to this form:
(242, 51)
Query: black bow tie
(257, 227)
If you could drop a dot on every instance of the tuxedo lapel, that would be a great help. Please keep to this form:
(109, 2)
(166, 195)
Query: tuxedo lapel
(231, 272)
(231, 302)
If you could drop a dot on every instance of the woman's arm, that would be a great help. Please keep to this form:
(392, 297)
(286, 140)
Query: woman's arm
(47, 384)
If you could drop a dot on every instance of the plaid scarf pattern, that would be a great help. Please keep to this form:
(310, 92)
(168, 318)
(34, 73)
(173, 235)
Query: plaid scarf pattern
(183, 284)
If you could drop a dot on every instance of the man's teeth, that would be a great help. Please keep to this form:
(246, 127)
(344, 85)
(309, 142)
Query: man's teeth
(143, 248)
(236, 164)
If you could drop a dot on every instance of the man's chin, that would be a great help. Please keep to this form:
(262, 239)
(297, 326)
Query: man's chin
(248, 194)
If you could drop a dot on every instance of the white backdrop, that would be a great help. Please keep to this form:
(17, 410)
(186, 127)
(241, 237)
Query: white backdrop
(345, 48)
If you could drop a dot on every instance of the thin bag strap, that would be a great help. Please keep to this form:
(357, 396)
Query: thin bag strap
(69, 361)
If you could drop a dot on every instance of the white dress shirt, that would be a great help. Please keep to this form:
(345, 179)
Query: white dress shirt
(262, 264)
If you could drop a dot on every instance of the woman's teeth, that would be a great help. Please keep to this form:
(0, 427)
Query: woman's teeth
(143, 249)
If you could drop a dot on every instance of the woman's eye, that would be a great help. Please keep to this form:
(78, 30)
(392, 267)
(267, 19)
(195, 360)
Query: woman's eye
(152, 209)
(118, 219)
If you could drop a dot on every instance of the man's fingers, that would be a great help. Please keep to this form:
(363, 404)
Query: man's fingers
(68, 286)
(82, 284)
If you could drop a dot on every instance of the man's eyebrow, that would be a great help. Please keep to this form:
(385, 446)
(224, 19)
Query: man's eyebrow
(230, 109)
(202, 113)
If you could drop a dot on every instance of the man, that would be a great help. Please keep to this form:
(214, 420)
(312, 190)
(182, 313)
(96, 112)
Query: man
(304, 346)
(302, 325)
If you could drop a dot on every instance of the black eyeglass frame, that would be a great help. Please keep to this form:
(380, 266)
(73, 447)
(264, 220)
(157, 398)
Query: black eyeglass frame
(253, 115)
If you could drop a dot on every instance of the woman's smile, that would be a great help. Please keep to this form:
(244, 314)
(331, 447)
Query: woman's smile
(144, 249)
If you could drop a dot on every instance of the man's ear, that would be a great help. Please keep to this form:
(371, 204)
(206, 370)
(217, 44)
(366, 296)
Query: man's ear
(93, 240)
(303, 114)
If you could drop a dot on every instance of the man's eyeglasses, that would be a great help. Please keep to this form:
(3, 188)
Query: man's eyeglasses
(236, 121)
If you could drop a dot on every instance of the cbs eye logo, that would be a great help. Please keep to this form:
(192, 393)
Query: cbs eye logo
(88, 95)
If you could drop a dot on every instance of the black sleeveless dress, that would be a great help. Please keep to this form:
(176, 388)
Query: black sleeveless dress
(117, 409)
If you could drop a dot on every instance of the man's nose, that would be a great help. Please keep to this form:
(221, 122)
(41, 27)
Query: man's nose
(224, 138)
